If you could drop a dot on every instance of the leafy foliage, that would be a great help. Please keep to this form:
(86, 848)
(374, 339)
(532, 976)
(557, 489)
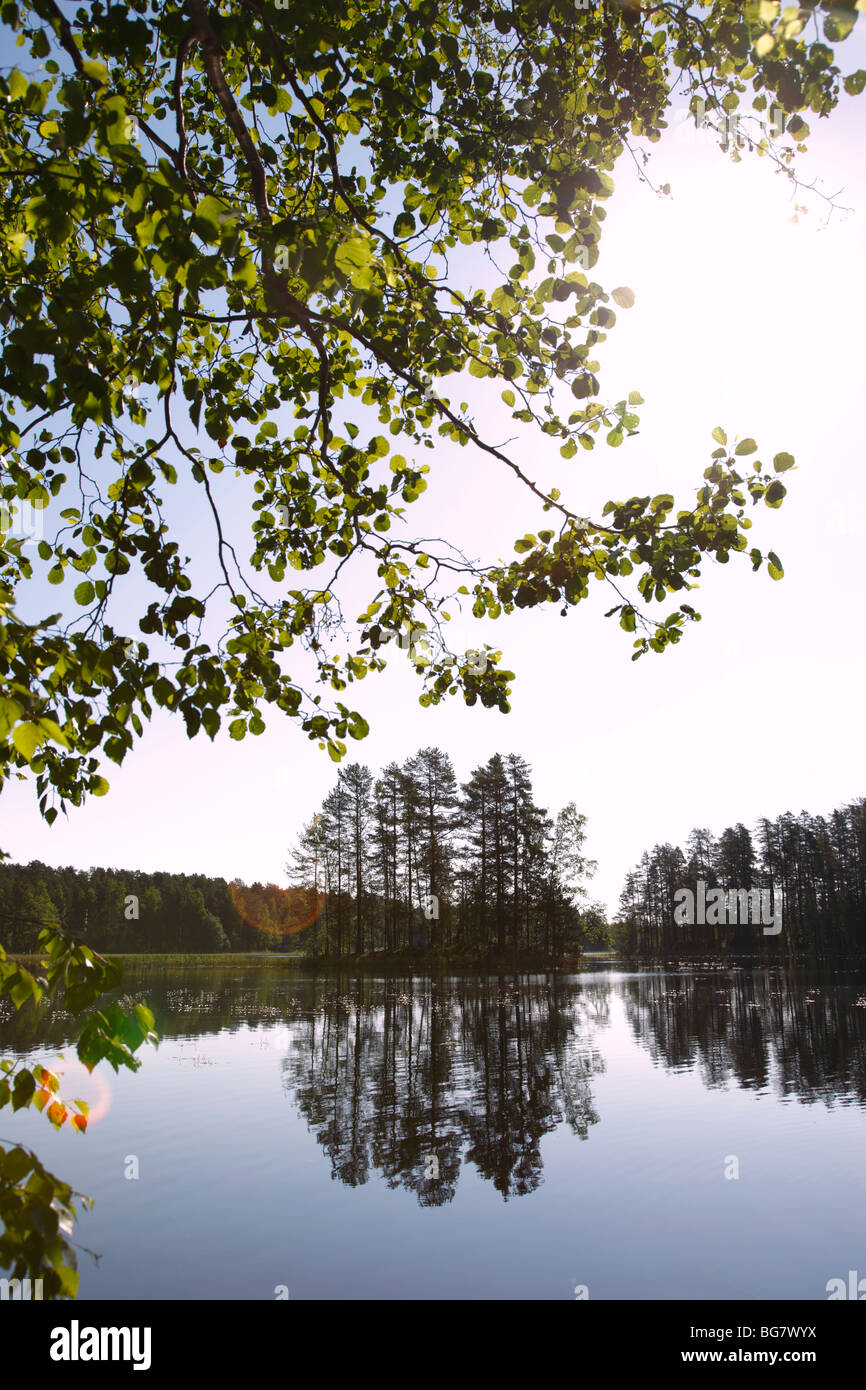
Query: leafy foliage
(217, 217)
(211, 217)
(36, 1208)
(36, 1211)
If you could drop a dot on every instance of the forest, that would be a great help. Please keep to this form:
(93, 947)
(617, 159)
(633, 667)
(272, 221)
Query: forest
(406, 860)
(814, 865)
(121, 910)
(252, 257)
(412, 859)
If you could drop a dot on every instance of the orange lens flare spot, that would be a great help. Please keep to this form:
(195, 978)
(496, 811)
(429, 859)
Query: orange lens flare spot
(277, 911)
(91, 1091)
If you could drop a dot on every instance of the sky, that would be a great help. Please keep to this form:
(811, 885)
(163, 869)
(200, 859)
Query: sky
(743, 318)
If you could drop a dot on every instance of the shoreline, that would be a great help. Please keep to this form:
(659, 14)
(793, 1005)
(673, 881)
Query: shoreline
(421, 962)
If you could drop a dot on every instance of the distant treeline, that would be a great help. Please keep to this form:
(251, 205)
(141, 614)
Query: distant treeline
(403, 861)
(125, 910)
(410, 859)
(122, 910)
(814, 866)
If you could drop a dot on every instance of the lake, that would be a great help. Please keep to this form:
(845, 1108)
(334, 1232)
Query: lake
(640, 1134)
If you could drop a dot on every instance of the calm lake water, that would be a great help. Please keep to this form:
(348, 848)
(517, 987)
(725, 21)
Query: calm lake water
(472, 1138)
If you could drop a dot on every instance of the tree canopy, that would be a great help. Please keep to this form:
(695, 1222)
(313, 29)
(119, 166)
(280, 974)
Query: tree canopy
(811, 868)
(235, 241)
(231, 243)
(390, 862)
(409, 859)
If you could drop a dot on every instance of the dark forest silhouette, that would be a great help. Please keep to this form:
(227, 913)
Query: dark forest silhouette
(815, 866)
(405, 861)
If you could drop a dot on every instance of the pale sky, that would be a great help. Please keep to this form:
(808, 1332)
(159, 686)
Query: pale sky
(742, 319)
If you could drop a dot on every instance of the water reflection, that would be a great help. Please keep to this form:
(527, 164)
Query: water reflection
(800, 1037)
(415, 1080)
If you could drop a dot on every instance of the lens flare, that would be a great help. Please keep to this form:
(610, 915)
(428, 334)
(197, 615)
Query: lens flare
(277, 911)
(79, 1084)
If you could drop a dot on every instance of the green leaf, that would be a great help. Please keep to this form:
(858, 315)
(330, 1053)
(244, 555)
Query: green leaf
(84, 593)
(503, 300)
(746, 446)
(208, 217)
(98, 71)
(354, 257)
(838, 24)
(23, 1089)
(18, 84)
(10, 712)
(53, 730)
(623, 296)
(145, 1019)
(719, 435)
(27, 738)
(584, 386)
(245, 273)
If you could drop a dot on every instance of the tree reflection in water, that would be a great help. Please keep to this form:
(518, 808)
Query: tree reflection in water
(796, 1034)
(412, 1079)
